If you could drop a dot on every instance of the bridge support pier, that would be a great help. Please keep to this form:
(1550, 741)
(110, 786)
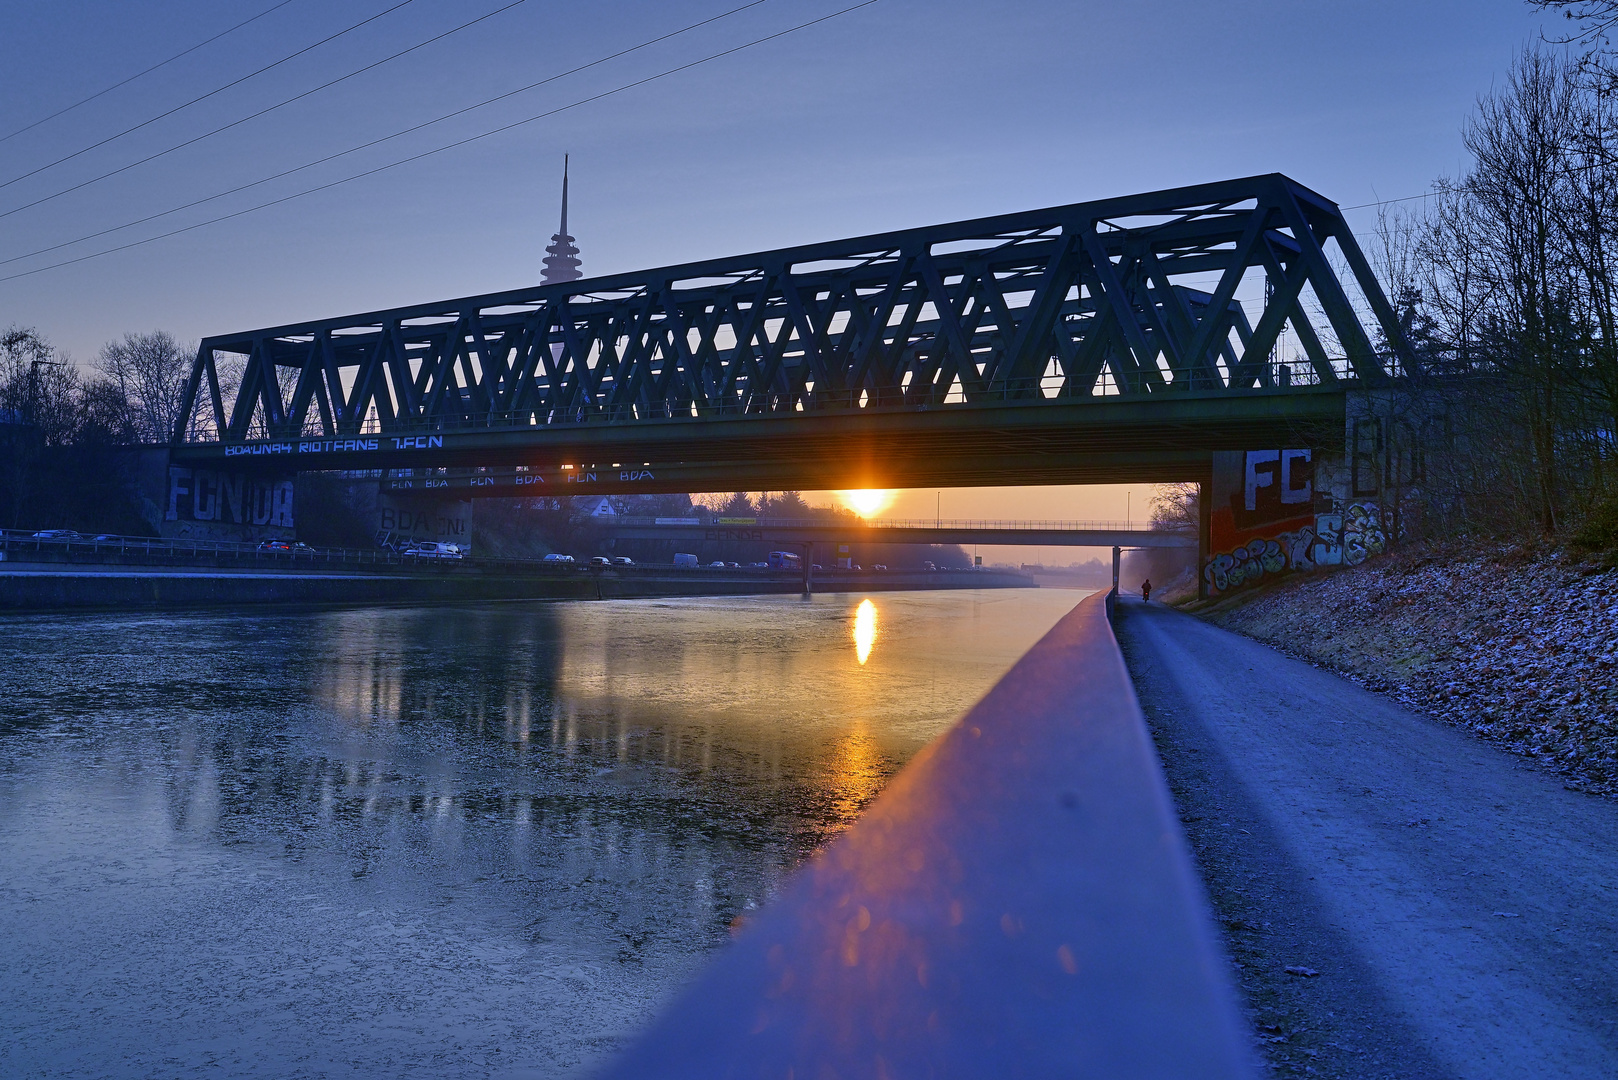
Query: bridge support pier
(1117, 562)
(808, 569)
(1204, 525)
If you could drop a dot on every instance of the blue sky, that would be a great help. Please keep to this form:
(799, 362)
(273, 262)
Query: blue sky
(901, 113)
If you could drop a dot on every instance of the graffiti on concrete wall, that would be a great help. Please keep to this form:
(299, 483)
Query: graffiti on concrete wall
(228, 498)
(417, 517)
(1362, 533)
(1345, 539)
(1268, 517)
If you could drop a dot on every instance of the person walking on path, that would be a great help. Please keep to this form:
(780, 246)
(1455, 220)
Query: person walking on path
(1146, 591)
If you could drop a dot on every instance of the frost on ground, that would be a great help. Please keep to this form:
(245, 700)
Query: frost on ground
(1520, 646)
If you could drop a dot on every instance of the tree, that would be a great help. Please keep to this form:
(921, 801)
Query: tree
(1514, 311)
(1594, 19)
(103, 416)
(734, 504)
(150, 371)
(1176, 507)
(39, 391)
(38, 386)
(787, 504)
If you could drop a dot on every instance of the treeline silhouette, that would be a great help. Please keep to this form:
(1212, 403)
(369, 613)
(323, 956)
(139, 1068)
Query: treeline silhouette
(1505, 283)
(60, 428)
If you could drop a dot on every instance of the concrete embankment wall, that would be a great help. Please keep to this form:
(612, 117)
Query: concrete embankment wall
(47, 587)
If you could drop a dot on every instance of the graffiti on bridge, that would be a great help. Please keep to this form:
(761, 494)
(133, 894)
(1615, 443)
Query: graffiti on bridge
(230, 498)
(1269, 517)
(1345, 539)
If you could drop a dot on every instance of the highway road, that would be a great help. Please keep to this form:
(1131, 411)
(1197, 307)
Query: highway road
(1457, 906)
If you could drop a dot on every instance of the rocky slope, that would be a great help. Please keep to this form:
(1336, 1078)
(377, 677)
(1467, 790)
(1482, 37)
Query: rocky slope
(1520, 646)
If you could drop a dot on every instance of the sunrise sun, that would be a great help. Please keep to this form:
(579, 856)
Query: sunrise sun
(866, 502)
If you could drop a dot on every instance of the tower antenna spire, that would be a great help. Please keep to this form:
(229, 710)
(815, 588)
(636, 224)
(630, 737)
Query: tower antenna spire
(562, 257)
(564, 194)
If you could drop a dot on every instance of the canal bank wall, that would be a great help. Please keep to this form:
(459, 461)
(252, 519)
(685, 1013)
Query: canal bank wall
(52, 586)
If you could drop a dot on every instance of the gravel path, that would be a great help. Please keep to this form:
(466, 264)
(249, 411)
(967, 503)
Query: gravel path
(1459, 905)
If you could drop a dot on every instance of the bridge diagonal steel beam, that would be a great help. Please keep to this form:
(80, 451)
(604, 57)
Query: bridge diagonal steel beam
(1309, 231)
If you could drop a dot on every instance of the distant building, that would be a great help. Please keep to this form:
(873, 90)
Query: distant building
(561, 257)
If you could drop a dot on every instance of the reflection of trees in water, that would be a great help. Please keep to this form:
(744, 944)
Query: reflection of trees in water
(635, 770)
(522, 740)
(659, 713)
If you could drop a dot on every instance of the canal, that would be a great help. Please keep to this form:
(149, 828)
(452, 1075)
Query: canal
(482, 841)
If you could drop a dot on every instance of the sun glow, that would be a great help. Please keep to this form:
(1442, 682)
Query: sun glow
(867, 502)
(864, 630)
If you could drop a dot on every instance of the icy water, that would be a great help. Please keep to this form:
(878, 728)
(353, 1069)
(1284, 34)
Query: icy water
(433, 842)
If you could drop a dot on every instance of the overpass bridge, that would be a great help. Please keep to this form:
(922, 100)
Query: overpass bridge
(1094, 342)
(797, 531)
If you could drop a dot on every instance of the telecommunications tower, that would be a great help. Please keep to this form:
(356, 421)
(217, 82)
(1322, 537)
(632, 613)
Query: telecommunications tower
(561, 257)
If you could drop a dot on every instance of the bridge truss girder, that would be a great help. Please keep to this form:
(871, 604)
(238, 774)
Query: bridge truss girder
(1104, 302)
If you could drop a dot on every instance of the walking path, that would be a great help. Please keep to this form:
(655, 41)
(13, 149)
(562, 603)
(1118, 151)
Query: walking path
(1459, 905)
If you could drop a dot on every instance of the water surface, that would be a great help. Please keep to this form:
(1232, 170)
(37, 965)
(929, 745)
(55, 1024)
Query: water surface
(480, 841)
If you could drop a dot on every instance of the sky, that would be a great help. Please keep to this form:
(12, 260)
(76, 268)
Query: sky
(899, 113)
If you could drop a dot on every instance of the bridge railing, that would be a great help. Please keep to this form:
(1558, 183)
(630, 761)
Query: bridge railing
(956, 524)
(58, 543)
(21, 546)
(1019, 901)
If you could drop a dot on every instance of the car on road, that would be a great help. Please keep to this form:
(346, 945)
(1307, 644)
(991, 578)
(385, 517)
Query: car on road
(878, 566)
(106, 538)
(623, 560)
(429, 549)
(557, 556)
(600, 560)
(720, 563)
(275, 545)
(57, 534)
(683, 559)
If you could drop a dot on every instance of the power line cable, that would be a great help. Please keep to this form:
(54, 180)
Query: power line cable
(209, 94)
(1568, 170)
(261, 112)
(148, 71)
(376, 142)
(1390, 202)
(448, 146)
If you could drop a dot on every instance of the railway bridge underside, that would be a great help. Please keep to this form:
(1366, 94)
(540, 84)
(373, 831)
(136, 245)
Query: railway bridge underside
(1118, 340)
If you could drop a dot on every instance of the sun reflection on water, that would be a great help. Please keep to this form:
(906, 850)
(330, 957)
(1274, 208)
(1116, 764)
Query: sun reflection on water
(864, 630)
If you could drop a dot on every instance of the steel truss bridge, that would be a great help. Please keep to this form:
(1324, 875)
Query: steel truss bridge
(1100, 341)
